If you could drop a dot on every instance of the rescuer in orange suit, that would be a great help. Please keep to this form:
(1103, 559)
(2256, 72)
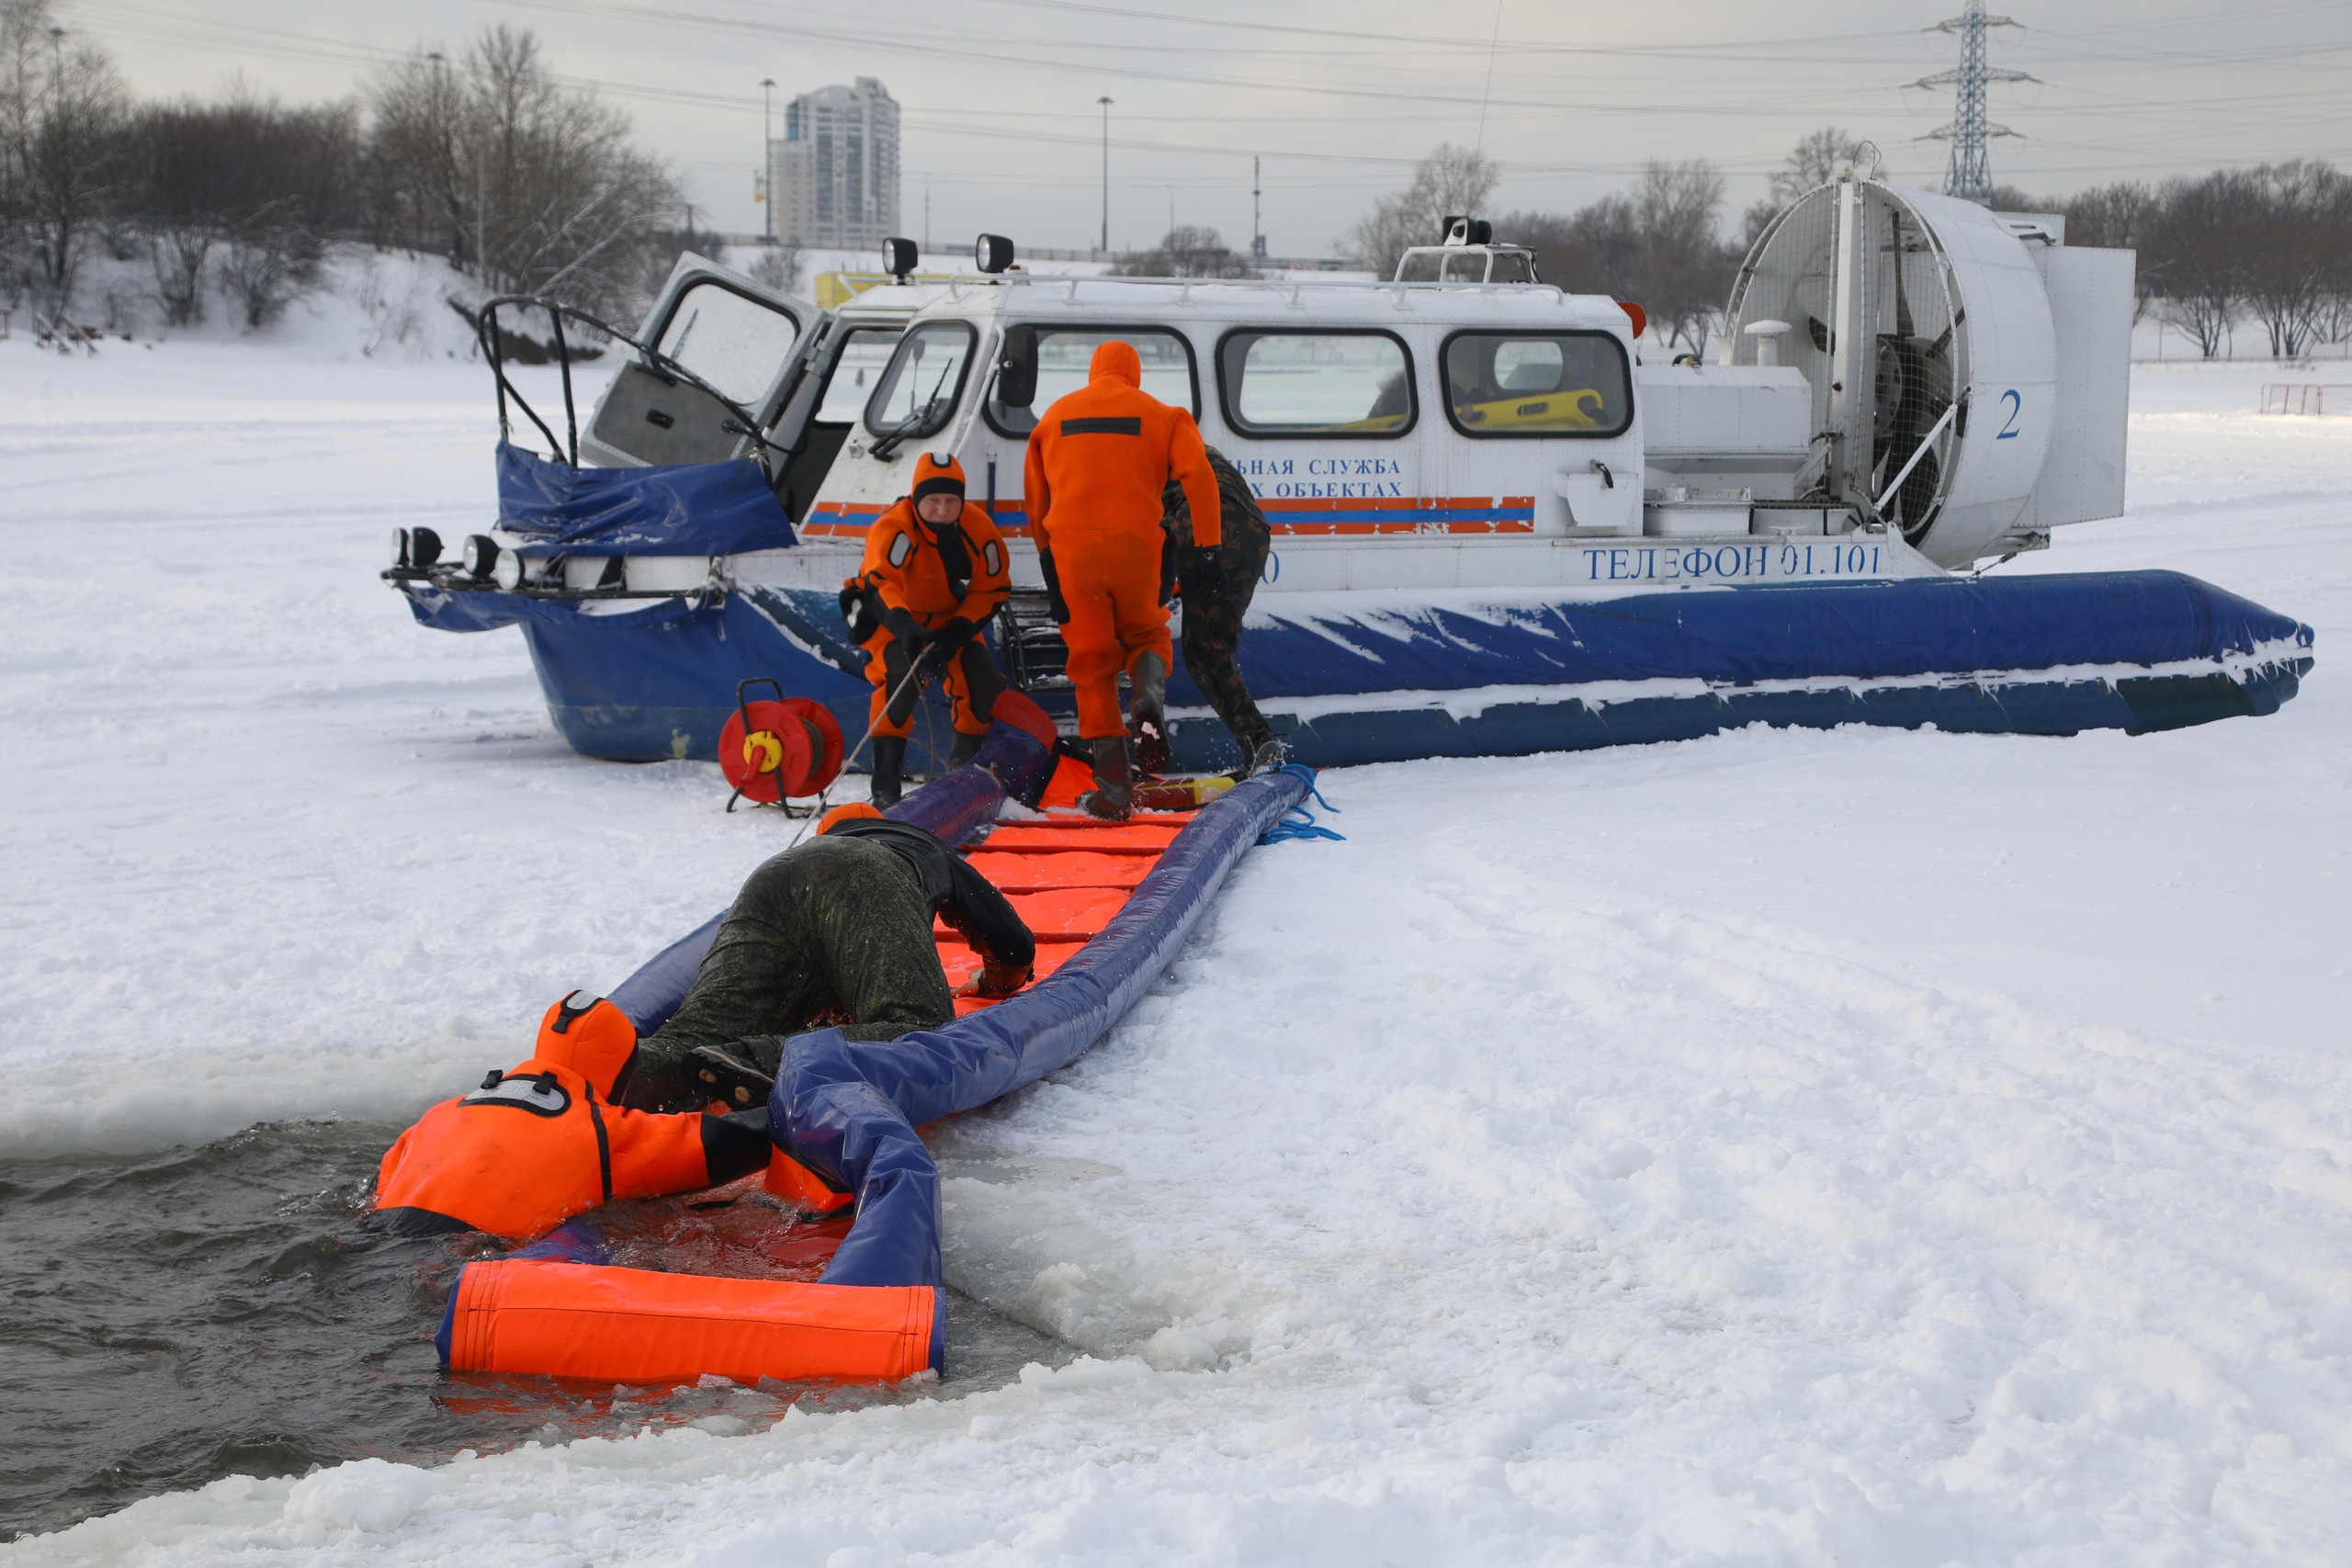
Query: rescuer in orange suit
(934, 571)
(544, 1141)
(1098, 460)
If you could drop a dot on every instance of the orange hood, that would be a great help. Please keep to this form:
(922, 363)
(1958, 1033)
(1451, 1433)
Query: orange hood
(1117, 361)
(588, 1035)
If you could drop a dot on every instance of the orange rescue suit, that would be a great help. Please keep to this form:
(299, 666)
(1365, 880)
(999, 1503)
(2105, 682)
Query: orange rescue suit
(913, 568)
(533, 1147)
(1098, 461)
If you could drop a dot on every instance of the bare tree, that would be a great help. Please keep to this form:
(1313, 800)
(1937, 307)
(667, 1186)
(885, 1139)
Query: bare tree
(261, 186)
(416, 156)
(1450, 180)
(270, 261)
(1655, 244)
(530, 185)
(63, 161)
(1594, 250)
(2011, 199)
(1685, 275)
(779, 266)
(2119, 217)
(1813, 161)
(2198, 238)
(1186, 251)
(2294, 250)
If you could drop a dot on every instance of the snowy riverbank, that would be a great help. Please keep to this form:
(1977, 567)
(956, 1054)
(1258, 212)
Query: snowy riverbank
(1886, 1147)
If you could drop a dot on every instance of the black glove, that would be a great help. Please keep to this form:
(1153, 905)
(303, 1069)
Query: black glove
(1204, 577)
(1054, 601)
(954, 633)
(862, 607)
(900, 624)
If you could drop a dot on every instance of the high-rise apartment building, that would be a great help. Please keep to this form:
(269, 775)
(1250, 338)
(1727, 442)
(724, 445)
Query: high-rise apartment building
(834, 174)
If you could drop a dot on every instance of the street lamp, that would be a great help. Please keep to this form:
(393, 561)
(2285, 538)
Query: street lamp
(1106, 174)
(767, 154)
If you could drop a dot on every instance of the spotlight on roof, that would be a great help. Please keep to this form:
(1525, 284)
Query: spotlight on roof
(898, 257)
(992, 253)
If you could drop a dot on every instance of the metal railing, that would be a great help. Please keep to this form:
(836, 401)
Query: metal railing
(2305, 397)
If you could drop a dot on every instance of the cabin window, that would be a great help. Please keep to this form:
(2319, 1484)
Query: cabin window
(918, 389)
(736, 343)
(857, 370)
(1546, 384)
(1335, 383)
(1064, 355)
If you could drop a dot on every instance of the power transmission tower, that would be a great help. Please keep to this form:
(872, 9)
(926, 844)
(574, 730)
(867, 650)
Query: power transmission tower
(1970, 174)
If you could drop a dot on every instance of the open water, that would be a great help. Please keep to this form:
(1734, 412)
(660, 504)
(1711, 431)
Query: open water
(175, 1318)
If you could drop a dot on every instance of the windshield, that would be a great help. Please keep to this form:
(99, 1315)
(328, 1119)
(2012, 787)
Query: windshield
(736, 343)
(864, 352)
(919, 390)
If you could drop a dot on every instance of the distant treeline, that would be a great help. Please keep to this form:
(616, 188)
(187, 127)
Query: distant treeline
(483, 158)
(2269, 247)
(527, 186)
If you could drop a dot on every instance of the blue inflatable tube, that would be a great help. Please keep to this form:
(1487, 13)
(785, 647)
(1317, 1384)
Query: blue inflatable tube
(849, 1111)
(1469, 674)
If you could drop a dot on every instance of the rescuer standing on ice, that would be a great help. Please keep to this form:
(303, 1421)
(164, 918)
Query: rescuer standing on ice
(1098, 460)
(1214, 602)
(934, 571)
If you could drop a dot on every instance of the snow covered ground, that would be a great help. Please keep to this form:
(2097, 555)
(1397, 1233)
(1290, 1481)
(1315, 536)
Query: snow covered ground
(1871, 1146)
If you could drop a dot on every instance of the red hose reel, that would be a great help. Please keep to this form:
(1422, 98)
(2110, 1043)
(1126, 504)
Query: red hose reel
(772, 750)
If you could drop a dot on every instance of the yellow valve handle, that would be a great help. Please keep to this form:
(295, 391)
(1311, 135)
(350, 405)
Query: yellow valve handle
(763, 751)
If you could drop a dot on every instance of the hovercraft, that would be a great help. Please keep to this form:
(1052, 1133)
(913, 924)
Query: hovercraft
(1495, 530)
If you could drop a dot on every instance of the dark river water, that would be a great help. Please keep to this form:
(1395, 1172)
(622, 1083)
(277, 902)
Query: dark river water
(174, 1318)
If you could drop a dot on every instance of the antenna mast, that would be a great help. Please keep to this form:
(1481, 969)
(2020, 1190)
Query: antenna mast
(1969, 175)
(1256, 211)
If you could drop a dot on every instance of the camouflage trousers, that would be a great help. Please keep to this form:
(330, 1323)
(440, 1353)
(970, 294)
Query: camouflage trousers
(833, 927)
(1212, 637)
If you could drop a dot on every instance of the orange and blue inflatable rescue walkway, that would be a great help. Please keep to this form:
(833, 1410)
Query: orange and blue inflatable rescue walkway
(841, 1240)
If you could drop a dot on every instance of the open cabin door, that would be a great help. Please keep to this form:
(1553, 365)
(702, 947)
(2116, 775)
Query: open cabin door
(840, 368)
(749, 342)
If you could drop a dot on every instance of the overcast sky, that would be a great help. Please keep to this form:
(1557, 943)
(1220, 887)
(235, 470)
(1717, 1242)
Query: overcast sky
(1340, 96)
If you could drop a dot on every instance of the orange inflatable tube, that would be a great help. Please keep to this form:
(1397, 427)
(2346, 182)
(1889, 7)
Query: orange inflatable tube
(582, 1320)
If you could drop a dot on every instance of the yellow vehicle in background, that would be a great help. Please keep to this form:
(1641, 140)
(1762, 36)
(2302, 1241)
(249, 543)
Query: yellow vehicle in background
(1583, 409)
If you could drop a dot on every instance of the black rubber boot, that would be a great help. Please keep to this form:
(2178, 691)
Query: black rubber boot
(728, 1077)
(1147, 703)
(966, 747)
(890, 768)
(1113, 797)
